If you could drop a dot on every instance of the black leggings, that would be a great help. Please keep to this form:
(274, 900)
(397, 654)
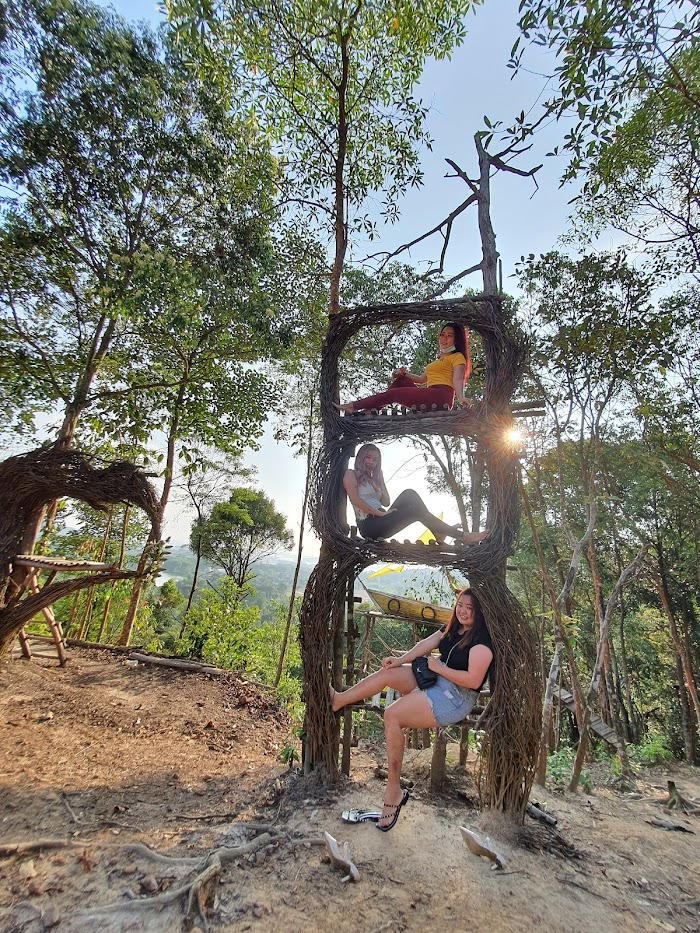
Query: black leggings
(407, 508)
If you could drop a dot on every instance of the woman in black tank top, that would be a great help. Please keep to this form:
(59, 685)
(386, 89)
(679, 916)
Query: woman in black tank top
(465, 659)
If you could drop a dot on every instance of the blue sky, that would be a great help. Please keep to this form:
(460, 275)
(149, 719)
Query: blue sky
(459, 92)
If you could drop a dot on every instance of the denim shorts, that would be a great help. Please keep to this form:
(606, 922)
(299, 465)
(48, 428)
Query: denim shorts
(449, 702)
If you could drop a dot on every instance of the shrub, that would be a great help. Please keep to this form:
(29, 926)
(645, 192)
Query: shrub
(560, 765)
(654, 751)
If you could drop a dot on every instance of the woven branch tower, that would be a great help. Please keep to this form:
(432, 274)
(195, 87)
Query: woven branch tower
(513, 718)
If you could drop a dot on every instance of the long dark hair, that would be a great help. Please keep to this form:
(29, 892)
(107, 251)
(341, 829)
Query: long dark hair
(461, 344)
(360, 471)
(479, 630)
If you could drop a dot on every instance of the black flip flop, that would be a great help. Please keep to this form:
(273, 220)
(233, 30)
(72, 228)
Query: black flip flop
(397, 809)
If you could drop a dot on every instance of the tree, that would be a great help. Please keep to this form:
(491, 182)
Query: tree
(593, 331)
(628, 74)
(134, 248)
(334, 84)
(240, 532)
(153, 182)
(611, 54)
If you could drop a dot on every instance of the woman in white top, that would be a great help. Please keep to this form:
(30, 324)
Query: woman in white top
(369, 498)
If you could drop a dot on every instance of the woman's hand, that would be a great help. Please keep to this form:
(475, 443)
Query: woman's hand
(391, 662)
(435, 664)
(397, 373)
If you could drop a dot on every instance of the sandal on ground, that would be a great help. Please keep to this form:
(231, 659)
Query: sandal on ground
(360, 816)
(394, 809)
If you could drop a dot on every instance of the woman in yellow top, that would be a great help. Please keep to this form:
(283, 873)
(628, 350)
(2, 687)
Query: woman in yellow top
(441, 382)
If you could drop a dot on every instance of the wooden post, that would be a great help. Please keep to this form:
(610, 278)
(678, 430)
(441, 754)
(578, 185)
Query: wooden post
(338, 626)
(349, 673)
(54, 626)
(438, 764)
(24, 644)
(464, 744)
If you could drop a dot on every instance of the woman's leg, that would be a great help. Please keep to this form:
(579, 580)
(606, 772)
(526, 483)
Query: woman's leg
(410, 711)
(399, 678)
(407, 508)
(406, 395)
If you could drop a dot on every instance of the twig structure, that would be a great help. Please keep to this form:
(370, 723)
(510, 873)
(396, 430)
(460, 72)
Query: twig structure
(28, 483)
(512, 723)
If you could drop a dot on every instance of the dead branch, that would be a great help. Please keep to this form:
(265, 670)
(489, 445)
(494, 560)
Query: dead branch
(95, 824)
(667, 824)
(537, 814)
(211, 872)
(193, 666)
(446, 222)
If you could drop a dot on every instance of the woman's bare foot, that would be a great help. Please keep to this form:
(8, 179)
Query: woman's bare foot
(474, 537)
(347, 408)
(335, 706)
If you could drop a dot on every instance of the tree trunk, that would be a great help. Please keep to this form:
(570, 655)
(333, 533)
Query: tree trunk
(683, 655)
(340, 222)
(561, 639)
(617, 720)
(173, 429)
(315, 639)
(300, 548)
(627, 574)
(686, 715)
(193, 588)
(489, 253)
(541, 773)
(598, 610)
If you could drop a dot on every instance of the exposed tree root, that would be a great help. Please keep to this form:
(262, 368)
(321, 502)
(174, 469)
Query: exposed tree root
(198, 890)
(25, 848)
(676, 801)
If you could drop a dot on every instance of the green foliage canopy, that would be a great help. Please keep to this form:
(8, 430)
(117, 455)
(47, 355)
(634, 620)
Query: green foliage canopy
(333, 84)
(629, 75)
(132, 238)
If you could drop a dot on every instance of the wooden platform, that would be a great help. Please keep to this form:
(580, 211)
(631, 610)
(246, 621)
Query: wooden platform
(61, 564)
(595, 725)
(531, 409)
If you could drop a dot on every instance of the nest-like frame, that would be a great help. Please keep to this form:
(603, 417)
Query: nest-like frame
(28, 484)
(510, 749)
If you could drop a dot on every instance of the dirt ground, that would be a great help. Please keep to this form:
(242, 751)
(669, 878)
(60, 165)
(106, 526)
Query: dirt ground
(118, 782)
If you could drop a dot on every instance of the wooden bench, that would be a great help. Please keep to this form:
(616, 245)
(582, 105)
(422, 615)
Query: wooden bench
(35, 563)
